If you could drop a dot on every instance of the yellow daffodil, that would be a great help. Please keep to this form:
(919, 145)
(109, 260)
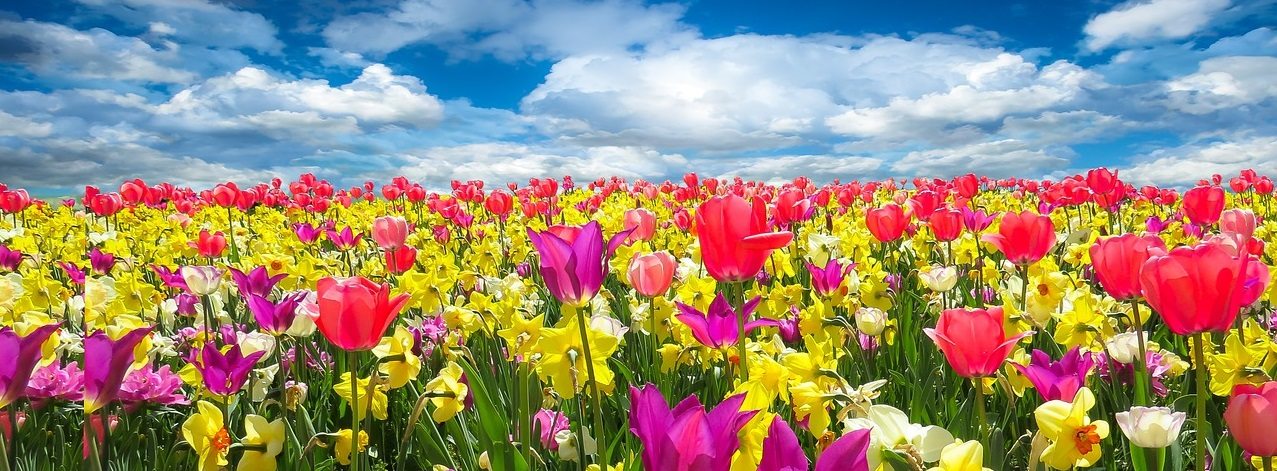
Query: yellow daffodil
(263, 441)
(205, 433)
(398, 362)
(449, 393)
(961, 456)
(1074, 437)
(563, 358)
(369, 397)
(343, 446)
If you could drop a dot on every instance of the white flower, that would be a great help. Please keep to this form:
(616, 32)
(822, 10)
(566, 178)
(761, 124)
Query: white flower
(568, 449)
(254, 342)
(822, 247)
(7, 234)
(1151, 427)
(890, 429)
(871, 321)
(307, 311)
(939, 279)
(260, 381)
(1124, 348)
(10, 290)
(609, 325)
(96, 238)
(202, 281)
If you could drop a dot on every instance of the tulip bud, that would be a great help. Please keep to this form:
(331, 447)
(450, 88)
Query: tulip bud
(202, 280)
(871, 321)
(1124, 348)
(1151, 427)
(939, 279)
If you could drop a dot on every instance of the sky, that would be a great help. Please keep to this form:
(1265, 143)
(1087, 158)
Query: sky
(196, 92)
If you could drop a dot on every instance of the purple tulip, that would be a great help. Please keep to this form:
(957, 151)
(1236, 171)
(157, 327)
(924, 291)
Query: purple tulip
(977, 221)
(686, 438)
(790, 333)
(574, 260)
(1057, 381)
(101, 262)
(848, 453)
(21, 353)
(73, 272)
(547, 424)
(56, 382)
(718, 327)
(257, 281)
(105, 362)
(1125, 373)
(781, 450)
(225, 374)
(344, 239)
(306, 232)
(170, 278)
(275, 318)
(1156, 225)
(186, 303)
(9, 259)
(147, 384)
(828, 279)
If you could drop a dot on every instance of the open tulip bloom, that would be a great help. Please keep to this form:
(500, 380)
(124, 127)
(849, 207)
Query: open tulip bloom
(970, 323)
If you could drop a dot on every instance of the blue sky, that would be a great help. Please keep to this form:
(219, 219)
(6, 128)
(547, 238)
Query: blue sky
(196, 92)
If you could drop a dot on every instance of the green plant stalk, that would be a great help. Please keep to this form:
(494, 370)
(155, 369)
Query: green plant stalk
(352, 365)
(738, 301)
(595, 402)
(979, 408)
(1141, 363)
(1200, 360)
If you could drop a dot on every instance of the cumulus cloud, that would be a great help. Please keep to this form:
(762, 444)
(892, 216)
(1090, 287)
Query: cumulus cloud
(1185, 165)
(56, 51)
(1140, 21)
(511, 29)
(499, 162)
(197, 22)
(1224, 82)
(1003, 158)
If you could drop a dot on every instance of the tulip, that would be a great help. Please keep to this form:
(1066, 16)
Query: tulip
(733, 237)
(21, 353)
(225, 374)
(827, 280)
(101, 263)
(574, 260)
(210, 245)
(847, 453)
(1118, 261)
(641, 223)
(946, 224)
(256, 282)
(390, 232)
(400, 260)
(1024, 238)
(1203, 204)
(499, 203)
(1238, 225)
(1151, 427)
(306, 232)
(1252, 416)
(939, 279)
(792, 206)
(973, 340)
(1057, 380)
(976, 221)
(686, 438)
(719, 326)
(1201, 288)
(202, 280)
(651, 274)
(275, 318)
(9, 259)
(549, 423)
(344, 239)
(105, 363)
(781, 450)
(886, 223)
(354, 312)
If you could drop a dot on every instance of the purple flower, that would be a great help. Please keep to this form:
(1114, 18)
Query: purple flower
(523, 269)
(431, 332)
(344, 239)
(147, 384)
(977, 221)
(781, 450)
(893, 282)
(186, 303)
(105, 362)
(275, 318)
(788, 327)
(225, 374)
(547, 424)
(717, 327)
(574, 260)
(257, 281)
(1125, 374)
(21, 353)
(170, 278)
(1057, 380)
(1156, 225)
(306, 232)
(73, 272)
(101, 262)
(687, 437)
(9, 259)
(56, 382)
(868, 343)
(848, 453)
(828, 279)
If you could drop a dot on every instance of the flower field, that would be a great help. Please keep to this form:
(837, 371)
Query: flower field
(705, 324)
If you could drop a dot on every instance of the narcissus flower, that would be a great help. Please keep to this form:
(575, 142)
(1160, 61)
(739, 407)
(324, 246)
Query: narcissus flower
(345, 444)
(262, 443)
(1074, 437)
(396, 359)
(961, 456)
(448, 393)
(563, 358)
(377, 400)
(206, 434)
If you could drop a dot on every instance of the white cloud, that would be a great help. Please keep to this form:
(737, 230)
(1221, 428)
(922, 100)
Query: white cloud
(499, 162)
(196, 22)
(20, 126)
(782, 168)
(1139, 21)
(1185, 165)
(1224, 82)
(511, 29)
(376, 97)
(58, 51)
(997, 159)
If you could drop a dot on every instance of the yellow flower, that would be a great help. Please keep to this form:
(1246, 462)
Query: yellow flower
(961, 456)
(809, 403)
(522, 333)
(263, 441)
(449, 392)
(398, 362)
(697, 291)
(768, 380)
(342, 447)
(373, 397)
(1074, 437)
(205, 433)
(1238, 364)
(1084, 326)
(563, 359)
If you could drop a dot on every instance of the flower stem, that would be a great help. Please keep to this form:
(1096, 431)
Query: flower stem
(979, 406)
(594, 385)
(1199, 356)
(738, 302)
(1268, 463)
(352, 365)
(1142, 380)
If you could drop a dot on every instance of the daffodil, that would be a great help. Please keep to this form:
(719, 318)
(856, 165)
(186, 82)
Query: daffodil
(448, 393)
(369, 397)
(397, 361)
(563, 358)
(961, 456)
(522, 333)
(344, 444)
(205, 432)
(1238, 364)
(263, 441)
(1074, 438)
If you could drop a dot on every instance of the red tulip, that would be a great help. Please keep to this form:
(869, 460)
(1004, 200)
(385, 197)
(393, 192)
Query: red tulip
(1201, 288)
(1024, 238)
(499, 203)
(1264, 186)
(390, 232)
(792, 206)
(651, 274)
(734, 241)
(946, 224)
(354, 312)
(1238, 224)
(1101, 180)
(210, 245)
(1204, 204)
(1118, 260)
(643, 223)
(1251, 417)
(886, 223)
(401, 259)
(973, 340)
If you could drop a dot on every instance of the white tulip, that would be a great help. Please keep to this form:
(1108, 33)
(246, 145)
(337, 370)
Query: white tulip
(871, 321)
(202, 280)
(939, 279)
(1124, 348)
(1151, 427)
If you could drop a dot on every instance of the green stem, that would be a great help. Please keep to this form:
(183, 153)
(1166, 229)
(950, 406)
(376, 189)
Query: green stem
(1141, 364)
(981, 420)
(1199, 356)
(1268, 463)
(594, 385)
(352, 365)
(738, 300)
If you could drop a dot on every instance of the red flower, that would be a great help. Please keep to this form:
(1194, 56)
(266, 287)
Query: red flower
(973, 340)
(1024, 238)
(651, 274)
(1202, 288)
(390, 232)
(734, 241)
(1252, 415)
(886, 223)
(946, 224)
(400, 260)
(1118, 260)
(210, 245)
(354, 312)
(1204, 204)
